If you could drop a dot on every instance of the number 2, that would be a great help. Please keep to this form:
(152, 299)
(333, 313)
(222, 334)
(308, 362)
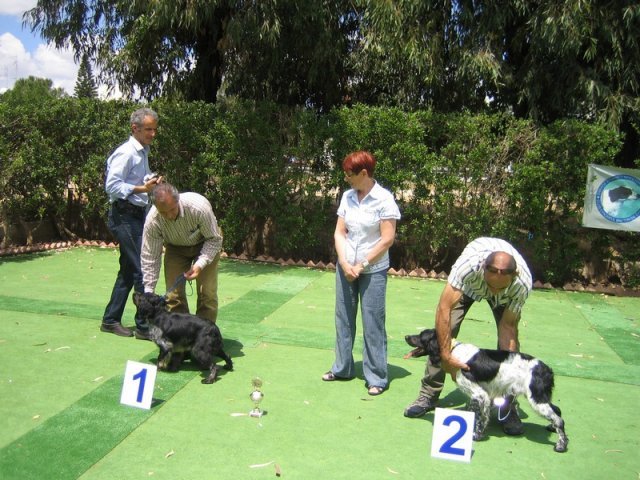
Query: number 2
(142, 375)
(447, 447)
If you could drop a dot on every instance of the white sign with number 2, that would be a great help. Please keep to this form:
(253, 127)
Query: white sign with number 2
(452, 434)
(139, 382)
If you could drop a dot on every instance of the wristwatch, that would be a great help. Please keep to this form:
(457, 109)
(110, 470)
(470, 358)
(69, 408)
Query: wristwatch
(365, 263)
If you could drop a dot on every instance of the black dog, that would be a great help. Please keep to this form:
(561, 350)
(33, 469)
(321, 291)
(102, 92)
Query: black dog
(494, 374)
(177, 333)
(615, 199)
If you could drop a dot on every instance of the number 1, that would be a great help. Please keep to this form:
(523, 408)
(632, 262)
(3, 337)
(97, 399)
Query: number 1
(142, 375)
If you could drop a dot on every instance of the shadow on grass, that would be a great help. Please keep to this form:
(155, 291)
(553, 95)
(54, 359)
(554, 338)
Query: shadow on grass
(233, 348)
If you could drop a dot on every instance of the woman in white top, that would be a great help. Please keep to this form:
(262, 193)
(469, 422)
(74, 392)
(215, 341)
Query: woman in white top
(365, 230)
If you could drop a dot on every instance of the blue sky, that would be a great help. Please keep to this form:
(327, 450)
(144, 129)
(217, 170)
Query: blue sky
(12, 24)
(23, 54)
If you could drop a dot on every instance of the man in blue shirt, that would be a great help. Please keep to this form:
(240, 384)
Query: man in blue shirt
(128, 181)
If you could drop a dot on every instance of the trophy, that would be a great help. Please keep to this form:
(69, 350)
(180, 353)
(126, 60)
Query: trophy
(256, 397)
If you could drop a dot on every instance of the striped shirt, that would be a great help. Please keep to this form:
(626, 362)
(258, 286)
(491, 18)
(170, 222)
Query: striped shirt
(362, 219)
(467, 274)
(196, 224)
(126, 169)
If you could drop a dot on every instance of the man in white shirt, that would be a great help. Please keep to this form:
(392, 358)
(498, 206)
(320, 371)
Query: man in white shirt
(184, 223)
(488, 269)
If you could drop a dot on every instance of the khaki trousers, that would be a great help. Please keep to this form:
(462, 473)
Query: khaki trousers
(434, 375)
(178, 260)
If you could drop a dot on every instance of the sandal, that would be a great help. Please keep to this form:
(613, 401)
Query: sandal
(373, 391)
(329, 377)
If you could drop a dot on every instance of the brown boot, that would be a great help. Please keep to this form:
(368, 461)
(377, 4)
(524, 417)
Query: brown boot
(117, 329)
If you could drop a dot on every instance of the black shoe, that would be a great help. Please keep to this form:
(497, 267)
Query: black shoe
(511, 424)
(117, 329)
(421, 406)
(142, 334)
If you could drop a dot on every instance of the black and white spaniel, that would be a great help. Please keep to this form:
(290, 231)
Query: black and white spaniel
(495, 374)
(178, 333)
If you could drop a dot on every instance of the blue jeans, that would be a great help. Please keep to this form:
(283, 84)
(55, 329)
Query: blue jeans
(126, 223)
(370, 290)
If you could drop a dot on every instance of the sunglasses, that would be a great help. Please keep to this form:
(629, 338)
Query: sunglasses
(501, 271)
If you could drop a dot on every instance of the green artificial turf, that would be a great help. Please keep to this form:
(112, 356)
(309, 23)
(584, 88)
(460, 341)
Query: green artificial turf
(61, 380)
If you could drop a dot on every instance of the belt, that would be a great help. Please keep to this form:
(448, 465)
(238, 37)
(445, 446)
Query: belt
(125, 206)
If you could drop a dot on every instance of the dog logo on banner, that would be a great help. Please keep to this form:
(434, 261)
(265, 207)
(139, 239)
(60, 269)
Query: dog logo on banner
(612, 199)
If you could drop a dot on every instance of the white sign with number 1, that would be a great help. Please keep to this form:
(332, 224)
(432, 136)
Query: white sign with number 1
(139, 382)
(452, 434)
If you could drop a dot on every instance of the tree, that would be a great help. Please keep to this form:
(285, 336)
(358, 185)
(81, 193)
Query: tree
(185, 48)
(32, 91)
(85, 84)
(305, 59)
(543, 60)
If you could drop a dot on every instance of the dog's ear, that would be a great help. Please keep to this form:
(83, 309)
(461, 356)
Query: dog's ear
(432, 346)
(157, 300)
(136, 298)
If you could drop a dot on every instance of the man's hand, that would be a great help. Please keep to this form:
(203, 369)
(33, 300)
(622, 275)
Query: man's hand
(152, 182)
(192, 273)
(451, 366)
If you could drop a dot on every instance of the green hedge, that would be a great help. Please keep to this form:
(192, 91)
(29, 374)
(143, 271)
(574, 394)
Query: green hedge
(273, 176)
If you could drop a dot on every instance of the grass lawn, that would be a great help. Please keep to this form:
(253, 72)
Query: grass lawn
(61, 379)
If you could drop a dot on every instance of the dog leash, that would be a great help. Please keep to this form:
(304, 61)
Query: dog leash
(179, 281)
(501, 404)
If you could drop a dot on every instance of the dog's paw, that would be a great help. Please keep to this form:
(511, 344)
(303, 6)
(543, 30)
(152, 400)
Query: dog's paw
(212, 377)
(479, 436)
(560, 447)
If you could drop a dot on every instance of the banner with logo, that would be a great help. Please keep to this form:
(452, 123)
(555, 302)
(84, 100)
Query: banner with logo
(612, 199)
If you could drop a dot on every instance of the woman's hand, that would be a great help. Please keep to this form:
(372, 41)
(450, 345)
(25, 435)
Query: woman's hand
(351, 272)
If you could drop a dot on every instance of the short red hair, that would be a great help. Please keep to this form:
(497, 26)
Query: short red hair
(355, 162)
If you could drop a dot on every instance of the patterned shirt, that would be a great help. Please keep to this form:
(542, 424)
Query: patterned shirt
(467, 274)
(362, 220)
(196, 224)
(126, 168)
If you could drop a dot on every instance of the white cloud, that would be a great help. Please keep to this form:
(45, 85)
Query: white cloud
(58, 65)
(16, 7)
(45, 62)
